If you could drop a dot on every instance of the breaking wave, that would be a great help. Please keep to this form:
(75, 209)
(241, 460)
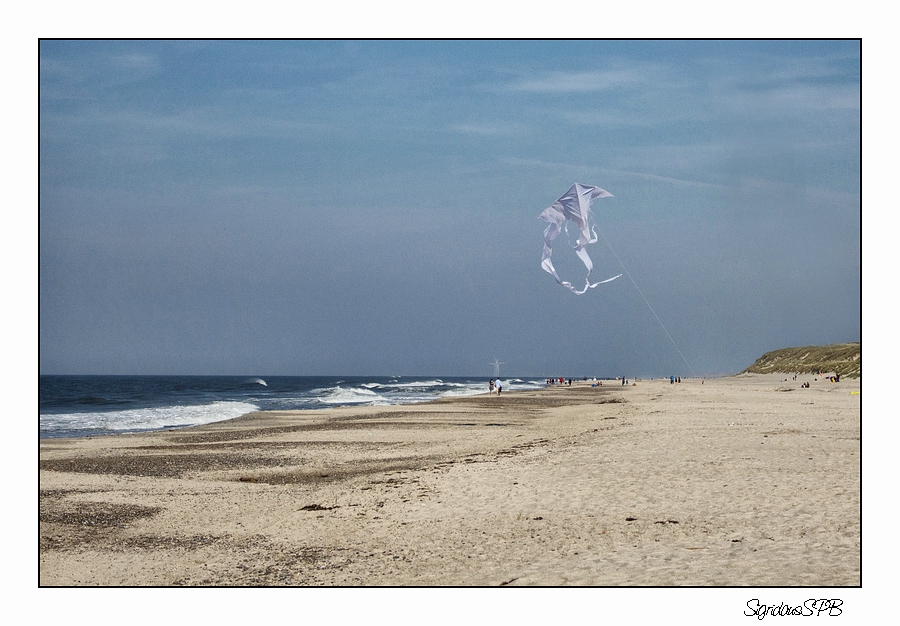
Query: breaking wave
(143, 419)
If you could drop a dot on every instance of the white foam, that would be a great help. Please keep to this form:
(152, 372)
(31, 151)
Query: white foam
(426, 383)
(351, 395)
(147, 419)
(460, 390)
(422, 384)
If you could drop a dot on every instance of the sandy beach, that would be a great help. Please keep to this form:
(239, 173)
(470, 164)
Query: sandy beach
(748, 480)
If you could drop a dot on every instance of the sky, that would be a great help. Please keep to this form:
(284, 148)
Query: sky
(371, 207)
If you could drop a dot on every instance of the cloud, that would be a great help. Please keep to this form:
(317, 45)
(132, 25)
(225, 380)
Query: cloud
(785, 101)
(135, 63)
(819, 196)
(74, 77)
(610, 118)
(668, 179)
(212, 122)
(484, 129)
(580, 82)
(574, 169)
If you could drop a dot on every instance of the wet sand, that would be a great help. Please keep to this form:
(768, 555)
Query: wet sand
(740, 481)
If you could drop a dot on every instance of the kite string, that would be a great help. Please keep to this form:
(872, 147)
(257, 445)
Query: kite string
(625, 269)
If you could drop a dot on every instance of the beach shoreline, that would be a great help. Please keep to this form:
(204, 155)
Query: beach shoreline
(749, 480)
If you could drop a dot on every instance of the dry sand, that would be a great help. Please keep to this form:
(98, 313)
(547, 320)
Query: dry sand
(740, 481)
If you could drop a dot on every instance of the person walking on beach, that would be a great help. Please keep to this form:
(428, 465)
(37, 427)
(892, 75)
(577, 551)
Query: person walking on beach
(491, 387)
(499, 386)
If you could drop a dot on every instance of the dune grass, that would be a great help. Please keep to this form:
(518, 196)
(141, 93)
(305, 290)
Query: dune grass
(841, 358)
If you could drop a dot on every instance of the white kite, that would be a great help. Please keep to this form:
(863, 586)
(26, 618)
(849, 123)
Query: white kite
(575, 205)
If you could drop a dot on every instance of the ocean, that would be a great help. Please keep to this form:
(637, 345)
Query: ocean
(85, 406)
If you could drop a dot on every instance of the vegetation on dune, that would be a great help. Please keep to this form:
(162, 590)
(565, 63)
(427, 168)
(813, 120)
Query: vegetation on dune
(841, 358)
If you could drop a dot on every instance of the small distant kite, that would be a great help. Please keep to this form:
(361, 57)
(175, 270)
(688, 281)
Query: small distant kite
(575, 205)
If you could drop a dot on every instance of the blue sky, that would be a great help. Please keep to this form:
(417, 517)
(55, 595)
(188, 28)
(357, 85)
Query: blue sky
(370, 207)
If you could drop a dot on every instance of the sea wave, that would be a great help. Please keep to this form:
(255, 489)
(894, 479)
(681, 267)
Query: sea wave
(428, 383)
(350, 395)
(92, 405)
(463, 390)
(418, 384)
(149, 418)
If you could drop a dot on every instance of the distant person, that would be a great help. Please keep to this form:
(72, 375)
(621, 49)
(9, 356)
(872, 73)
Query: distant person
(499, 386)
(671, 380)
(491, 387)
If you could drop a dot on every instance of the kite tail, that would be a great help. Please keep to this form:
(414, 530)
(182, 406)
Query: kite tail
(548, 267)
